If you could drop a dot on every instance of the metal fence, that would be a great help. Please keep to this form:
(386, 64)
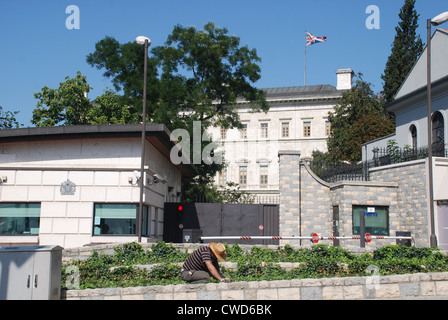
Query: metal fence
(334, 172)
(246, 199)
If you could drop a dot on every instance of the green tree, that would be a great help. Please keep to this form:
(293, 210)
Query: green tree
(406, 49)
(67, 105)
(197, 75)
(202, 75)
(124, 65)
(205, 72)
(8, 119)
(358, 118)
(110, 108)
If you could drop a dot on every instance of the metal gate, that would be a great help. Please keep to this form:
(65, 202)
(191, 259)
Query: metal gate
(216, 219)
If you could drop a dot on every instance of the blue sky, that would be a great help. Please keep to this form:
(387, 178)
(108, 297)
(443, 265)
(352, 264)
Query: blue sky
(37, 50)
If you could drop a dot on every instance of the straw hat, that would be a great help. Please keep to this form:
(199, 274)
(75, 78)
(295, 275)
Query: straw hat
(219, 250)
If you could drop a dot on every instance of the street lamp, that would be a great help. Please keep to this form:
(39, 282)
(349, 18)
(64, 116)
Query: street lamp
(146, 42)
(438, 20)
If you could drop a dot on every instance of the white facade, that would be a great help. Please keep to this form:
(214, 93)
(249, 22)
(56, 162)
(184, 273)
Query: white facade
(297, 121)
(411, 111)
(69, 177)
(410, 105)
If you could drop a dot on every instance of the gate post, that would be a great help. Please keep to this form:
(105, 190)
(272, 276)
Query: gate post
(362, 229)
(289, 175)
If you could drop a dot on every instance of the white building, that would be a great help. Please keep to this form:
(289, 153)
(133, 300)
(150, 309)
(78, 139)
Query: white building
(410, 108)
(297, 121)
(410, 104)
(72, 186)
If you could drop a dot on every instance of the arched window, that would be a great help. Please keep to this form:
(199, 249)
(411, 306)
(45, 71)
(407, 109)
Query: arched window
(438, 135)
(413, 131)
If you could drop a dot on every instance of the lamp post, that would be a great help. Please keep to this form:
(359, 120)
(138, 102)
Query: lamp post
(146, 42)
(441, 18)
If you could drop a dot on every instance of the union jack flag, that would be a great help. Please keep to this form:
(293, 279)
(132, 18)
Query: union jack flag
(310, 39)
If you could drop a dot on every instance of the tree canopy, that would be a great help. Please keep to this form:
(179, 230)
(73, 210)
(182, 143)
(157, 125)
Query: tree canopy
(357, 118)
(406, 49)
(67, 105)
(197, 75)
(8, 119)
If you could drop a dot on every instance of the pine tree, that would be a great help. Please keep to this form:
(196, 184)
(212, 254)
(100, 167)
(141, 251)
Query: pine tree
(406, 49)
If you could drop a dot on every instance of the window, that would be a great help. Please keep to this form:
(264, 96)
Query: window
(223, 176)
(307, 129)
(243, 131)
(117, 219)
(243, 175)
(328, 131)
(438, 135)
(264, 130)
(19, 218)
(376, 218)
(147, 220)
(263, 175)
(413, 131)
(285, 129)
(223, 133)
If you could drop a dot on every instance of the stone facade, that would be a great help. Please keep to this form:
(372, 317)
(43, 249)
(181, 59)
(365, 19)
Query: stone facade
(413, 286)
(297, 120)
(411, 213)
(289, 179)
(307, 202)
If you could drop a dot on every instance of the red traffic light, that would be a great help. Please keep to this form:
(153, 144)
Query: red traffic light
(180, 208)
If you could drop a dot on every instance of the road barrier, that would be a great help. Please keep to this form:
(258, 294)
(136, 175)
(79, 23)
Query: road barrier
(314, 238)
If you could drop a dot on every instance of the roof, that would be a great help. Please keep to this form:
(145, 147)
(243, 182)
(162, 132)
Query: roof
(417, 77)
(157, 134)
(303, 92)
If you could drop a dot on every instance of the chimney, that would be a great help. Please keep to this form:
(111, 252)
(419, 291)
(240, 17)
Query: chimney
(345, 77)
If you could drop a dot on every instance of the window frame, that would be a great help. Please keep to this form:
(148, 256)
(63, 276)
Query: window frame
(27, 223)
(222, 176)
(264, 175)
(264, 130)
(328, 131)
(146, 213)
(242, 173)
(285, 129)
(243, 132)
(307, 129)
(355, 216)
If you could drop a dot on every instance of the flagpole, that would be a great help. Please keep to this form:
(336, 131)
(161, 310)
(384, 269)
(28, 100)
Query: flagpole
(305, 58)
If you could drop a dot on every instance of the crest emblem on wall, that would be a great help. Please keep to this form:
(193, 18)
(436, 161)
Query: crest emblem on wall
(68, 188)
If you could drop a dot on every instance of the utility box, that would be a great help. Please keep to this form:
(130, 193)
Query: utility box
(191, 235)
(30, 273)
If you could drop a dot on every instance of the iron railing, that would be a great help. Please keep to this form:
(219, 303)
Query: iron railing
(335, 172)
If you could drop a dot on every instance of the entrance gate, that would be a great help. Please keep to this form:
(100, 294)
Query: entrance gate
(217, 219)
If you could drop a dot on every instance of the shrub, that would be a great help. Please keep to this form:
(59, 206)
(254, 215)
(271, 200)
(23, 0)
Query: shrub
(254, 265)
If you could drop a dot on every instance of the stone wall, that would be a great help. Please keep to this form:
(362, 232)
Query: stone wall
(289, 184)
(411, 210)
(411, 286)
(307, 202)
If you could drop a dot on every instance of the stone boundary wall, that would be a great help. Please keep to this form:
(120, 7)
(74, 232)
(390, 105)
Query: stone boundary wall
(408, 286)
(82, 253)
(307, 203)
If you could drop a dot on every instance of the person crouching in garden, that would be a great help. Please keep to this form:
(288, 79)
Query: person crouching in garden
(203, 264)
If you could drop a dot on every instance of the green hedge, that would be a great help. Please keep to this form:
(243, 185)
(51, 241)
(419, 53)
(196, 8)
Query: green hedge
(254, 265)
